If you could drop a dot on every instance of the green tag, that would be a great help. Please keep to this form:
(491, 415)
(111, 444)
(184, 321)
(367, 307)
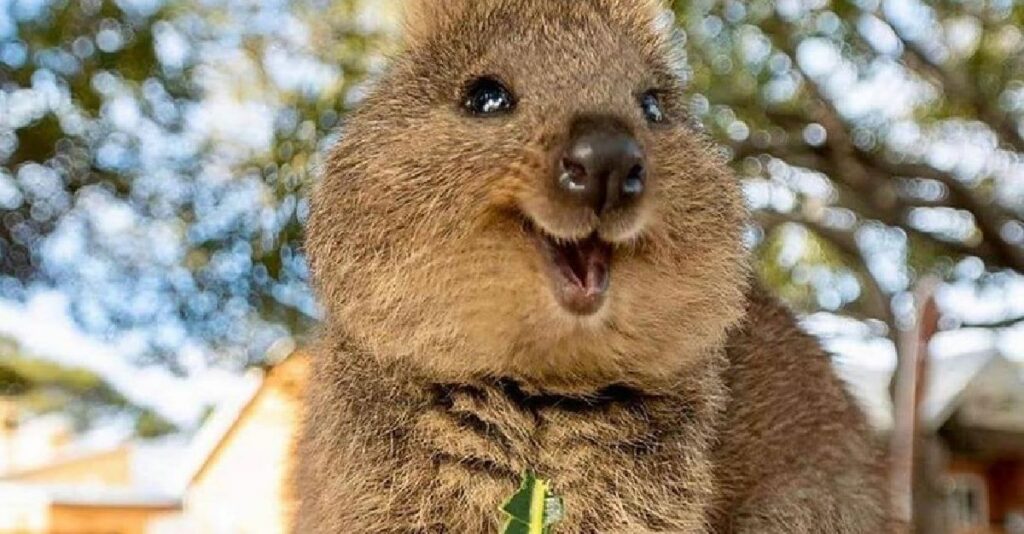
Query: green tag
(533, 509)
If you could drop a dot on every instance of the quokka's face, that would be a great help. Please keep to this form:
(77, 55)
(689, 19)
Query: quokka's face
(522, 195)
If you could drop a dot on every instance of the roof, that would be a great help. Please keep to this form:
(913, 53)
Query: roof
(150, 467)
(993, 400)
(218, 427)
(90, 495)
(869, 387)
(227, 417)
(950, 382)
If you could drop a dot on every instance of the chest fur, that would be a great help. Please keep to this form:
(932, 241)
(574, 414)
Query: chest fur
(622, 461)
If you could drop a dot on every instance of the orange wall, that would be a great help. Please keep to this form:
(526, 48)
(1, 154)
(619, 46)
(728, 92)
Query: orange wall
(1006, 488)
(1005, 484)
(103, 520)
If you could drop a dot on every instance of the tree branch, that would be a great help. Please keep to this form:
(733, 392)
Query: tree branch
(875, 299)
(989, 216)
(876, 201)
(998, 325)
(956, 83)
(869, 174)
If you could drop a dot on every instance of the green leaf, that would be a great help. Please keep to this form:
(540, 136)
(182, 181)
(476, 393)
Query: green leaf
(533, 509)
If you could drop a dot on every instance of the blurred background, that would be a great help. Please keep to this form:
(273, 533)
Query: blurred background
(155, 157)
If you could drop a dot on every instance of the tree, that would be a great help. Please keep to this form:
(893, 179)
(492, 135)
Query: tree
(885, 137)
(42, 387)
(122, 185)
(882, 143)
(156, 156)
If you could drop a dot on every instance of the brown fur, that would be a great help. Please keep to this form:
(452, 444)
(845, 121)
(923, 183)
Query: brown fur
(689, 403)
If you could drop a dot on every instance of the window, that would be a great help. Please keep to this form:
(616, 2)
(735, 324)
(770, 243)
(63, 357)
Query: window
(967, 500)
(1015, 522)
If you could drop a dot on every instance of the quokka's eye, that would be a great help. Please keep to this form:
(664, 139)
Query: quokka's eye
(488, 96)
(651, 106)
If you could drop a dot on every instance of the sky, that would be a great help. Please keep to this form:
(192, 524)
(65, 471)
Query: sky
(43, 326)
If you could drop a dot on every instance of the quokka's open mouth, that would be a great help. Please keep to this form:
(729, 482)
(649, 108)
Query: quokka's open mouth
(580, 270)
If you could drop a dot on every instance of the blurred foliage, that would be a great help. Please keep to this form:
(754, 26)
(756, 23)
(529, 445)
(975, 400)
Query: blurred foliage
(42, 387)
(150, 424)
(155, 155)
(880, 141)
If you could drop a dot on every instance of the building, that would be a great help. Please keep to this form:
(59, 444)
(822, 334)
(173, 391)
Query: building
(969, 446)
(28, 442)
(117, 491)
(229, 478)
(238, 465)
(980, 437)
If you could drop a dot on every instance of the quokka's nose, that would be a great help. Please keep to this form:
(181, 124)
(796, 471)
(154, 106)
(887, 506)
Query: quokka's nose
(603, 166)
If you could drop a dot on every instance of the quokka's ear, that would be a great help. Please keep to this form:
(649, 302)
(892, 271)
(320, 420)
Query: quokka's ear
(423, 18)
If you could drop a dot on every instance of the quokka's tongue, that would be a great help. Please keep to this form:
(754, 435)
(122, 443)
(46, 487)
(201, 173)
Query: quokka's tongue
(588, 261)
